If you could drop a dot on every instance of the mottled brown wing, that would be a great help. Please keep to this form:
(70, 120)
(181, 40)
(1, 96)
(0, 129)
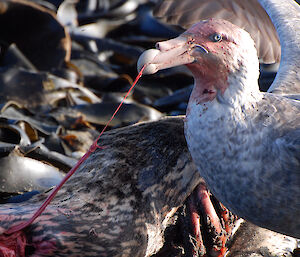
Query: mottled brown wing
(247, 14)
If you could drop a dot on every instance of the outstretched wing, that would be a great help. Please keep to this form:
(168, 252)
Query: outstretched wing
(248, 15)
(286, 18)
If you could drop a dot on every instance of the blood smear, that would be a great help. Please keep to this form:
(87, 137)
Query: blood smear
(14, 238)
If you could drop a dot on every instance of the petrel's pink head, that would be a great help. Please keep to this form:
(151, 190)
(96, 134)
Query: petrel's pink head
(212, 49)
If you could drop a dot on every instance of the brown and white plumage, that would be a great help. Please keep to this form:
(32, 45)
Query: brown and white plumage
(245, 143)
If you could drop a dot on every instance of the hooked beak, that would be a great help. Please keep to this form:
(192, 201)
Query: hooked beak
(170, 53)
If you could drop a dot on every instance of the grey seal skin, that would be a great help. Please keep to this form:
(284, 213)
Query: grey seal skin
(120, 200)
(245, 143)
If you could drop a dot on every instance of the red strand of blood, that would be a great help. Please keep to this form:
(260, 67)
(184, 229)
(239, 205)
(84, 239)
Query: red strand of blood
(13, 240)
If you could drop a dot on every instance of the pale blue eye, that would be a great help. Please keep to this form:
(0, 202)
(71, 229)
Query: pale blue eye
(216, 37)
